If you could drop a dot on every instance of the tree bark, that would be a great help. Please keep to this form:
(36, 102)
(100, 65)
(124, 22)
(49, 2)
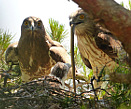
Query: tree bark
(115, 18)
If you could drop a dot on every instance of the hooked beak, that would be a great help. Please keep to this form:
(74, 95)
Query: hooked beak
(32, 27)
(71, 22)
(75, 23)
(72, 25)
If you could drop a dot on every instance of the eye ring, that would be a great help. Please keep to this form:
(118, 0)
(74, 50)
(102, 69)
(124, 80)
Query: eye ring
(26, 23)
(82, 16)
(39, 23)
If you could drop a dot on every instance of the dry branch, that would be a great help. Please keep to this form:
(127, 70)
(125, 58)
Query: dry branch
(45, 93)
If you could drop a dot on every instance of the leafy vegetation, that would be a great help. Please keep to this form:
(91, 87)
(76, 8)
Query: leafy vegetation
(56, 31)
(127, 6)
(5, 41)
(120, 93)
(5, 38)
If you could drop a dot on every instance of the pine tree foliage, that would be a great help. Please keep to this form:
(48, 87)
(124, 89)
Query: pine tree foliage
(56, 31)
(5, 39)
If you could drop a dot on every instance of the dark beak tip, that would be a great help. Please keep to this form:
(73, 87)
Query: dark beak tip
(71, 23)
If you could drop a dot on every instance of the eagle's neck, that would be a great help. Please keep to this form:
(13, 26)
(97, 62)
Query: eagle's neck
(33, 44)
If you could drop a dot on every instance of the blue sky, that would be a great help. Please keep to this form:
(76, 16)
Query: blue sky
(13, 12)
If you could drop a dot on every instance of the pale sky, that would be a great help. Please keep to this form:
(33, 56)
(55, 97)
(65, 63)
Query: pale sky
(13, 12)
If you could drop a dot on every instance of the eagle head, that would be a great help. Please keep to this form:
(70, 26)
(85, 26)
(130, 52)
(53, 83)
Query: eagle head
(82, 22)
(32, 26)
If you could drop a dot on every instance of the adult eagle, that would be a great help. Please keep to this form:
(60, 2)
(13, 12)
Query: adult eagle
(37, 52)
(97, 46)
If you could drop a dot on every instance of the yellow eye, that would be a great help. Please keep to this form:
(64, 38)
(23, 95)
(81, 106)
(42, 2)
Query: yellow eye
(39, 24)
(26, 23)
(81, 16)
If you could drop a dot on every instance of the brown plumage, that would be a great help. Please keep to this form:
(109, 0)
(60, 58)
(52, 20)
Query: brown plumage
(37, 52)
(97, 46)
(11, 54)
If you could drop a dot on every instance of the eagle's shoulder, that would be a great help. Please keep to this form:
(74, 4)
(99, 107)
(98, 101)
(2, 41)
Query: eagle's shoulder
(59, 54)
(108, 43)
(11, 54)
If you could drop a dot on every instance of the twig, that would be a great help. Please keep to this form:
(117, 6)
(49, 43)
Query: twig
(72, 56)
(92, 79)
(6, 74)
